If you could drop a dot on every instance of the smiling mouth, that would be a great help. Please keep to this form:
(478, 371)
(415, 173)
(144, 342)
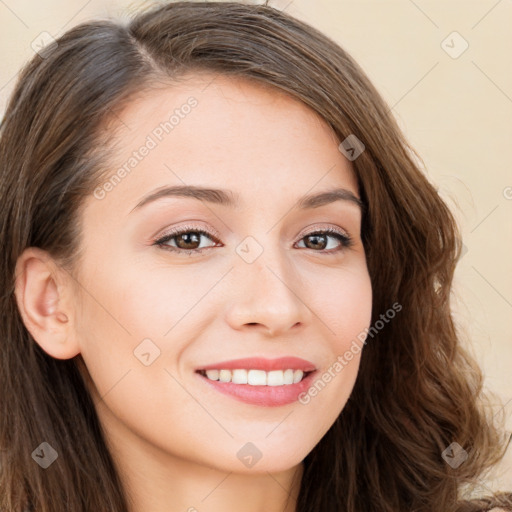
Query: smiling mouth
(254, 377)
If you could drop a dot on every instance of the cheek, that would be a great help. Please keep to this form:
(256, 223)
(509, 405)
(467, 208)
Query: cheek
(345, 305)
(124, 316)
(126, 303)
(130, 310)
(346, 309)
(154, 300)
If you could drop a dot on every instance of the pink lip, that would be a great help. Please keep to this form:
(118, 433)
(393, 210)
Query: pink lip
(266, 396)
(260, 363)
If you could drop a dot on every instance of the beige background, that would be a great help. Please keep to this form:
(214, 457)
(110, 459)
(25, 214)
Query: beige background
(455, 109)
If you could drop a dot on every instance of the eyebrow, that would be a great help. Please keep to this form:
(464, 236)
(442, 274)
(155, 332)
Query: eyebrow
(228, 198)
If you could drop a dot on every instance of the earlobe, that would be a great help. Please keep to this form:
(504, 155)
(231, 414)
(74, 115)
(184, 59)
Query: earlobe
(44, 297)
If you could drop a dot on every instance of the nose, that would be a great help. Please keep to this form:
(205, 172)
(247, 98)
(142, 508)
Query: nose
(268, 297)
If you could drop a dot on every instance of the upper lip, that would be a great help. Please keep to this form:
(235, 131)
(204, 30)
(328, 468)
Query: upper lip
(261, 363)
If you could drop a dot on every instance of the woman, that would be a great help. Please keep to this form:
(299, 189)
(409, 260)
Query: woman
(304, 359)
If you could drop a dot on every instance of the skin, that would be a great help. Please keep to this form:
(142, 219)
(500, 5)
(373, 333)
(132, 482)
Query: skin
(174, 438)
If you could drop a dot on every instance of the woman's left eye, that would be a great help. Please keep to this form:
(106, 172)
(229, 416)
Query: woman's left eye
(186, 240)
(320, 237)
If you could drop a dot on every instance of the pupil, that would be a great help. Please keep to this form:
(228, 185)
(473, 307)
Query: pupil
(315, 239)
(187, 237)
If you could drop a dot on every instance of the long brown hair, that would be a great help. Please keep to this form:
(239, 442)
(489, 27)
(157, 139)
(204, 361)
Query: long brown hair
(418, 390)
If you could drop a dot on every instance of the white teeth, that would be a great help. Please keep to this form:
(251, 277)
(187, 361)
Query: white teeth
(239, 377)
(275, 378)
(225, 375)
(257, 377)
(212, 374)
(288, 377)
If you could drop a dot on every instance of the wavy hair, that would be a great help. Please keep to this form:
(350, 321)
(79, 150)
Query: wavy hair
(418, 389)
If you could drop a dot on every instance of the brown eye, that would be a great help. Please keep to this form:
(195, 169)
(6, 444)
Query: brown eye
(186, 240)
(319, 241)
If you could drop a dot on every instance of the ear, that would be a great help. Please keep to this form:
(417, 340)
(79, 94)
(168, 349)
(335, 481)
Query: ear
(44, 294)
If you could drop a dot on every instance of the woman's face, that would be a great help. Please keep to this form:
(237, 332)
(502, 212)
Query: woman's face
(261, 284)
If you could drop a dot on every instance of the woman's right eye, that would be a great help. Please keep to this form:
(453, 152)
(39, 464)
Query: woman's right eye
(183, 239)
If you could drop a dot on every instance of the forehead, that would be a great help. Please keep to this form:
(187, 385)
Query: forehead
(225, 132)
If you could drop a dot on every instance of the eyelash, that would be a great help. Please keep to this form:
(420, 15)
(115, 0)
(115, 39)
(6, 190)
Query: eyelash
(346, 241)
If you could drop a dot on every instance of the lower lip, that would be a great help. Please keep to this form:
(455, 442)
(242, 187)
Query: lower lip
(265, 396)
